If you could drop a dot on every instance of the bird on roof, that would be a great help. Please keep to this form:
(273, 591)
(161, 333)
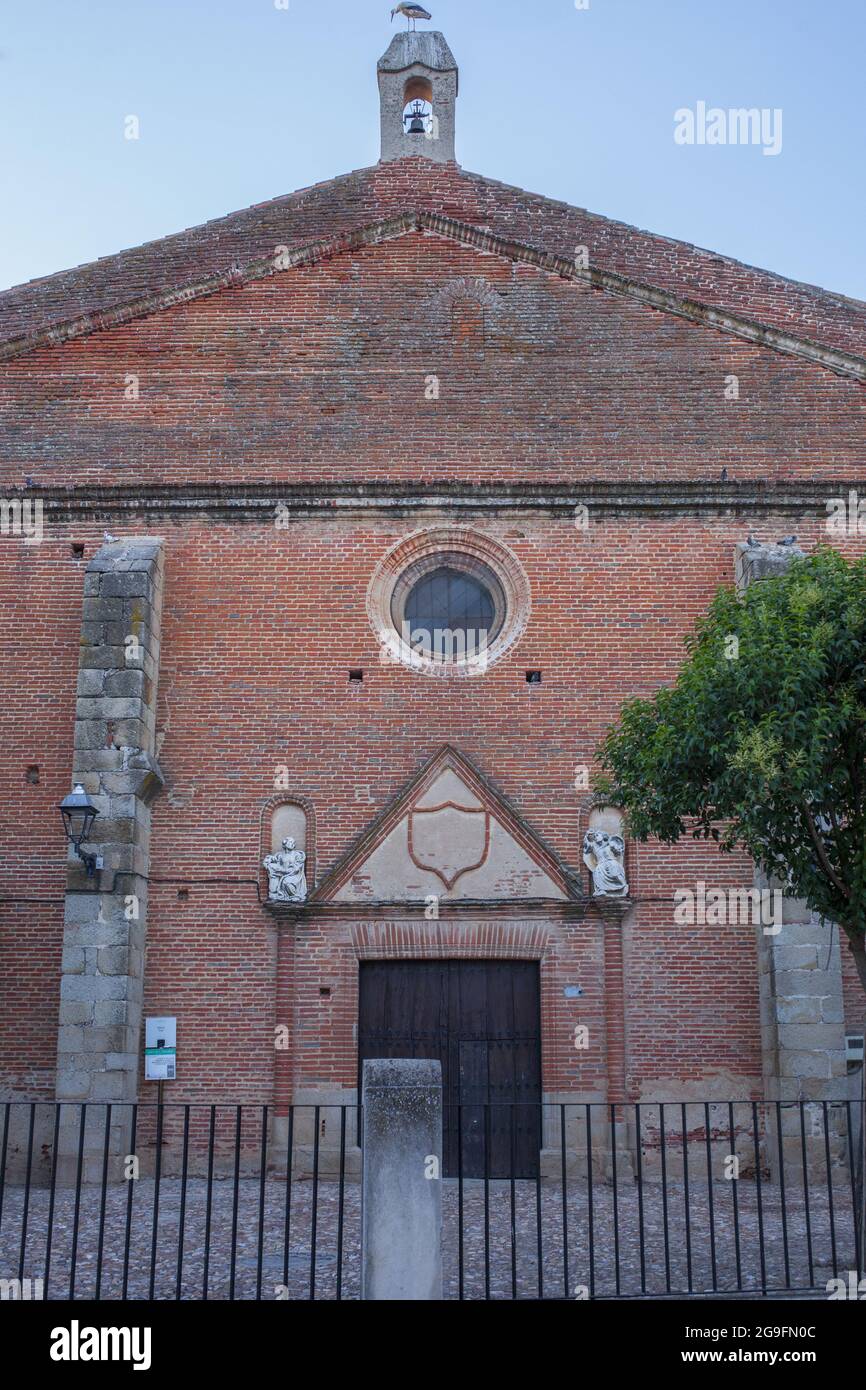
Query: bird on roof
(411, 13)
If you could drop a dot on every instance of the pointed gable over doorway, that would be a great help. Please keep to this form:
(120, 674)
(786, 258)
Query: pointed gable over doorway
(448, 835)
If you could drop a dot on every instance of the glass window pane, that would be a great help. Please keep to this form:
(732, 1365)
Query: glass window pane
(449, 599)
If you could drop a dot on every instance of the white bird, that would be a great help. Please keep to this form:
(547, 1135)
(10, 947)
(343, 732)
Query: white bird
(410, 12)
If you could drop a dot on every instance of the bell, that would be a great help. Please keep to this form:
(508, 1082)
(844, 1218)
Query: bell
(416, 117)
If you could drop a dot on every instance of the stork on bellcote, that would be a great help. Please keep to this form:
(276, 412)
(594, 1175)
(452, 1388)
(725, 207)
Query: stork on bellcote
(411, 13)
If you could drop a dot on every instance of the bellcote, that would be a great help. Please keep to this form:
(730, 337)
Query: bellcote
(418, 94)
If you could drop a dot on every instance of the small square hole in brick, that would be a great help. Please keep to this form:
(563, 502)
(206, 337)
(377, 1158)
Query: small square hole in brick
(324, 992)
(356, 677)
(533, 678)
(77, 548)
(183, 894)
(32, 775)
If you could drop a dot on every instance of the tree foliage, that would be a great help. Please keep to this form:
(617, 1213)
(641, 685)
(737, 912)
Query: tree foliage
(761, 741)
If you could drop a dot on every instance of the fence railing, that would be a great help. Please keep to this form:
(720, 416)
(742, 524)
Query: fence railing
(539, 1201)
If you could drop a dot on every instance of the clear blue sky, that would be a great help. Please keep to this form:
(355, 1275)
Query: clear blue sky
(240, 101)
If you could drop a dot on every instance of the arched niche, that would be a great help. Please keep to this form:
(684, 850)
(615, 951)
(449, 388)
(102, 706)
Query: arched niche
(287, 820)
(611, 819)
(606, 818)
(418, 107)
(287, 817)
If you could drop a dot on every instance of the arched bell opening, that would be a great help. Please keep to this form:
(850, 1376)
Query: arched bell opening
(418, 118)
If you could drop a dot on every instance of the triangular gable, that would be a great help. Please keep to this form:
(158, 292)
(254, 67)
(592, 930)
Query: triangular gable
(284, 259)
(355, 199)
(447, 835)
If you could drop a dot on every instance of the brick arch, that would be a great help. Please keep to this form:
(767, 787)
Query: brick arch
(438, 940)
(467, 293)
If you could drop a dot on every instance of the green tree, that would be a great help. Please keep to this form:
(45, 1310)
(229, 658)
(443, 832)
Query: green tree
(759, 744)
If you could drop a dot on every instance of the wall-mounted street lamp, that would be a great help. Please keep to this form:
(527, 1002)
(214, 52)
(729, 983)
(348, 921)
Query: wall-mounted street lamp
(79, 813)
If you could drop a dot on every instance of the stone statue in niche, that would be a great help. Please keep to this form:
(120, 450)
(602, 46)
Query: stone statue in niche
(603, 855)
(287, 880)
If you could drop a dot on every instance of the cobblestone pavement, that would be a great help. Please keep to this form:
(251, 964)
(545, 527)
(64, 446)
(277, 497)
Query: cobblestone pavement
(605, 1258)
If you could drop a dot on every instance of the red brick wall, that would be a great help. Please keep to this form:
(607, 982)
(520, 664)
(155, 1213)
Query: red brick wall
(31, 941)
(40, 617)
(327, 953)
(260, 630)
(319, 374)
(852, 991)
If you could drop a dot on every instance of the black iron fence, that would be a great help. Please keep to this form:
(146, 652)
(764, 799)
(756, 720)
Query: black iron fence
(194, 1202)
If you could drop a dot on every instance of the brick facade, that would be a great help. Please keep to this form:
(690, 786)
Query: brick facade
(255, 675)
(309, 388)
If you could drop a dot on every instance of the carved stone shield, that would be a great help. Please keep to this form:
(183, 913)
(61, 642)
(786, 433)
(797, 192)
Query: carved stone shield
(449, 840)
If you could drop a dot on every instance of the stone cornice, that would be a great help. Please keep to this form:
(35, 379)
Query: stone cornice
(512, 909)
(257, 501)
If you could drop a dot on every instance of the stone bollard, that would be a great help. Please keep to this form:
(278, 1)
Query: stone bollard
(401, 1222)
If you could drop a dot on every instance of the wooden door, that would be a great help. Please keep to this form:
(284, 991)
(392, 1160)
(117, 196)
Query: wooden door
(481, 1021)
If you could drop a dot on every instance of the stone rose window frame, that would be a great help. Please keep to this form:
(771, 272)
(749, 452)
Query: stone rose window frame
(463, 549)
